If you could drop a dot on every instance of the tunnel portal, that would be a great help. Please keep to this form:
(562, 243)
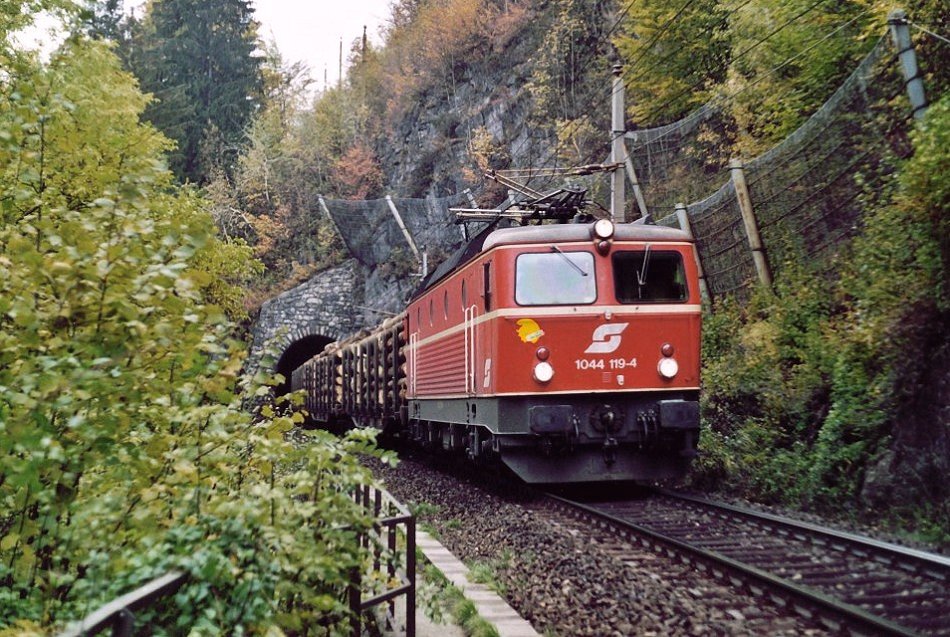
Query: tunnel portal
(296, 354)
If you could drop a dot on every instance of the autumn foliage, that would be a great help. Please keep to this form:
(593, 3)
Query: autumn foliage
(357, 174)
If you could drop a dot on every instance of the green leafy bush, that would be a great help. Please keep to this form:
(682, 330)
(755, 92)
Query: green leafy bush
(824, 394)
(125, 450)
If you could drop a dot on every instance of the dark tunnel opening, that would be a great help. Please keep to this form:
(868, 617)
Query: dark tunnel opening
(296, 354)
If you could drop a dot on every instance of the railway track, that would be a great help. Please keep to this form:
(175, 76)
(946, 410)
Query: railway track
(841, 581)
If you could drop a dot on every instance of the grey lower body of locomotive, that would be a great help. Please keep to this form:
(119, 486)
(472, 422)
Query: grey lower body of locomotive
(569, 438)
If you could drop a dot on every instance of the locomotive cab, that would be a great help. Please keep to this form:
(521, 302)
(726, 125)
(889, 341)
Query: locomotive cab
(576, 360)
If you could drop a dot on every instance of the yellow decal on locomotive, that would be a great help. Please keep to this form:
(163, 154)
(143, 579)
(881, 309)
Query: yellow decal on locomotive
(529, 331)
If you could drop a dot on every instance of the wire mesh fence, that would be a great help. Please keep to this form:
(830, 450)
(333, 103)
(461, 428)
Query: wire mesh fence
(677, 162)
(807, 193)
(721, 241)
(370, 228)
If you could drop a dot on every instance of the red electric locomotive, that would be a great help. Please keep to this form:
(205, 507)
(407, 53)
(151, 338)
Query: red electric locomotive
(569, 351)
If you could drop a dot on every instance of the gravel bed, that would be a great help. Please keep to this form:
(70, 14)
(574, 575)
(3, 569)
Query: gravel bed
(561, 577)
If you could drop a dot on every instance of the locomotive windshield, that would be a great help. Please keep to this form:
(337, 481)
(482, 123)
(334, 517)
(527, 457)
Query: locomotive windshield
(555, 278)
(649, 276)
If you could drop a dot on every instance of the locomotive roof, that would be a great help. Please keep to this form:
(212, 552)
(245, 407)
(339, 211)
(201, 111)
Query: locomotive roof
(491, 237)
(561, 233)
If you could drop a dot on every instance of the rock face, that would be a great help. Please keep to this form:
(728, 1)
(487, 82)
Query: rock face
(425, 157)
(427, 150)
(428, 147)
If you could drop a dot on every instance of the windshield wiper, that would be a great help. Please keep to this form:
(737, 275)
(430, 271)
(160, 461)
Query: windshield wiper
(568, 259)
(642, 274)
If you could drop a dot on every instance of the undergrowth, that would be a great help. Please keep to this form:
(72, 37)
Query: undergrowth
(832, 393)
(440, 598)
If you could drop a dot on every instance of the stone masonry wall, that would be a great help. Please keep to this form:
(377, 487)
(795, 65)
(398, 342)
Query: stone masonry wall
(326, 305)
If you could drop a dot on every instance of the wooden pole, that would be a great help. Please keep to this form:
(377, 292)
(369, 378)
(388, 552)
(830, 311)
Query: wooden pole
(686, 227)
(751, 225)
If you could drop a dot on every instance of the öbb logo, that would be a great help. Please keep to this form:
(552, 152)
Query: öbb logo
(606, 338)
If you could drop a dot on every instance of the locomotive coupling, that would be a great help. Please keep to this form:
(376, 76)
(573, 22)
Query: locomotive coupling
(607, 419)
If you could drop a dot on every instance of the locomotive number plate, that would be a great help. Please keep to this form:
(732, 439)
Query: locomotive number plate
(601, 363)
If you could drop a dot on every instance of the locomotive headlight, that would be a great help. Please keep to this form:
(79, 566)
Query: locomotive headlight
(668, 367)
(543, 372)
(604, 229)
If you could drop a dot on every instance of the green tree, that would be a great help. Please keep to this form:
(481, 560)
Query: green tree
(675, 55)
(102, 19)
(124, 451)
(271, 197)
(198, 59)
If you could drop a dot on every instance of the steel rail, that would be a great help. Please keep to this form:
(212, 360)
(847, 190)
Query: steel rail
(798, 598)
(932, 564)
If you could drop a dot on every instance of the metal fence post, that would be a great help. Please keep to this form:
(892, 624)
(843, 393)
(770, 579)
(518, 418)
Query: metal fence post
(900, 33)
(617, 150)
(686, 227)
(751, 225)
(411, 576)
(356, 612)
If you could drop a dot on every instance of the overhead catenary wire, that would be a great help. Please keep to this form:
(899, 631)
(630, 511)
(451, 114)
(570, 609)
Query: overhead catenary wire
(605, 99)
(588, 99)
(628, 82)
(594, 96)
(740, 55)
(695, 188)
(587, 117)
(719, 99)
(929, 32)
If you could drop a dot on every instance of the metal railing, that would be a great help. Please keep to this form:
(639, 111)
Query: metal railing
(119, 614)
(383, 543)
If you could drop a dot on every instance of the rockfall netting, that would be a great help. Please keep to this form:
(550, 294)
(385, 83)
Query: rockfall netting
(806, 193)
(678, 162)
(372, 234)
